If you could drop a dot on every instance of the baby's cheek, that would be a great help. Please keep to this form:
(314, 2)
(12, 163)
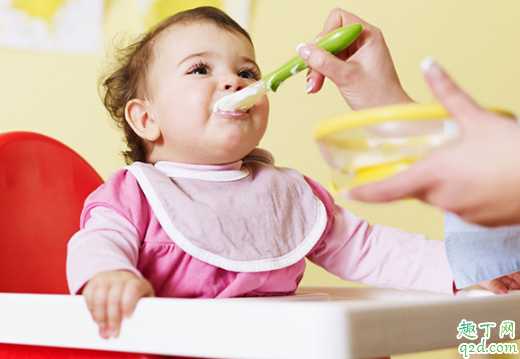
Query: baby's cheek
(265, 103)
(262, 119)
(262, 108)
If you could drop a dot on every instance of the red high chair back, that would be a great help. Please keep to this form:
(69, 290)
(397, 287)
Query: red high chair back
(43, 185)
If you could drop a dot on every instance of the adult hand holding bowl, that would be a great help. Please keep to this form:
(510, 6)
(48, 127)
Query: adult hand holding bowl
(371, 145)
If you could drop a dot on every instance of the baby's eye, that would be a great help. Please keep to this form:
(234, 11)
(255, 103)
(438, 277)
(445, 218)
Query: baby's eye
(251, 74)
(200, 71)
(200, 68)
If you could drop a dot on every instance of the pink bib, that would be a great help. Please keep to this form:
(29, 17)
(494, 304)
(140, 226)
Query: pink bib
(257, 218)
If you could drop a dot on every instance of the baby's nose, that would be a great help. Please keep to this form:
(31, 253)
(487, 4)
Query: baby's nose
(232, 83)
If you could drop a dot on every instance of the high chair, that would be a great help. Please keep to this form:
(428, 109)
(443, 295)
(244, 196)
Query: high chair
(43, 185)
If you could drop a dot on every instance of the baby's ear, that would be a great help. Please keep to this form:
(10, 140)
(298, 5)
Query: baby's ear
(138, 116)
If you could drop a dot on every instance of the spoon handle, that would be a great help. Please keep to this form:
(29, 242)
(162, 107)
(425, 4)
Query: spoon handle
(334, 42)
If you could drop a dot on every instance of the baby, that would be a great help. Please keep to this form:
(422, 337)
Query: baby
(200, 212)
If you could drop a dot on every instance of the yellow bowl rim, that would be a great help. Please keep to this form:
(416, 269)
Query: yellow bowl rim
(402, 112)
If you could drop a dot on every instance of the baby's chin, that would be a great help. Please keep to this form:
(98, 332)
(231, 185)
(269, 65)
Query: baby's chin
(229, 152)
(231, 155)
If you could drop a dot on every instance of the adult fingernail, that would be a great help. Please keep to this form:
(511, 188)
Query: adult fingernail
(430, 66)
(310, 85)
(303, 50)
(503, 291)
(426, 63)
(309, 75)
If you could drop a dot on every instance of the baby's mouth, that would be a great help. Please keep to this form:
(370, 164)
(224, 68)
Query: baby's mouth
(232, 113)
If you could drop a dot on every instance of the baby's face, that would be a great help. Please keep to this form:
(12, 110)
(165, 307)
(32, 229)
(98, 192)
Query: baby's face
(194, 66)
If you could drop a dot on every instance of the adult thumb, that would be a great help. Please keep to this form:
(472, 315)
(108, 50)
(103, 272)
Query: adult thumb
(325, 63)
(462, 107)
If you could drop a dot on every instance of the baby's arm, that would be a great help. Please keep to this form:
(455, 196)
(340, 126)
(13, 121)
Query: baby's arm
(388, 257)
(382, 256)
(104, 256)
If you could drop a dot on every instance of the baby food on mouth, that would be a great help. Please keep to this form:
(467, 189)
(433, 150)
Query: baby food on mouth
(243, 99)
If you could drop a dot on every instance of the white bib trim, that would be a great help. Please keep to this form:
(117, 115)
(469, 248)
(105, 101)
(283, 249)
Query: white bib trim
(215, 176)
(261, 265)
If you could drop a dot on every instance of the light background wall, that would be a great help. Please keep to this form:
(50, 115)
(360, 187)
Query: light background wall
(477, 41)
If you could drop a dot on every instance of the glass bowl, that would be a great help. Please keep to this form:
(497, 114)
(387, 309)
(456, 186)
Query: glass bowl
(373, 144)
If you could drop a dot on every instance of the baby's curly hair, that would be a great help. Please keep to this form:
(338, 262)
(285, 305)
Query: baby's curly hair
(132, 63)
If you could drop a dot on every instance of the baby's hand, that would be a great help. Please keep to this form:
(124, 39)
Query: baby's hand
(112, 296)
(503, 284)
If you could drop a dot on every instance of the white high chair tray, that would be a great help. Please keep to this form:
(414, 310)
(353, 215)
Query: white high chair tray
(318, 323)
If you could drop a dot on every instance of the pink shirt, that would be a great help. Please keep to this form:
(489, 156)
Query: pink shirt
(119, 231)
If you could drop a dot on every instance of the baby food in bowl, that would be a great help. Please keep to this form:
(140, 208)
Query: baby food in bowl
(373, 144)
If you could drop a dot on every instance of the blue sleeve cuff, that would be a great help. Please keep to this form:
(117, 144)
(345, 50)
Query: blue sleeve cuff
(477, 253)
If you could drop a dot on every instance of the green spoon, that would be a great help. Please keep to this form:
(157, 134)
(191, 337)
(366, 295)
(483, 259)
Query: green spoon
(244, 99)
